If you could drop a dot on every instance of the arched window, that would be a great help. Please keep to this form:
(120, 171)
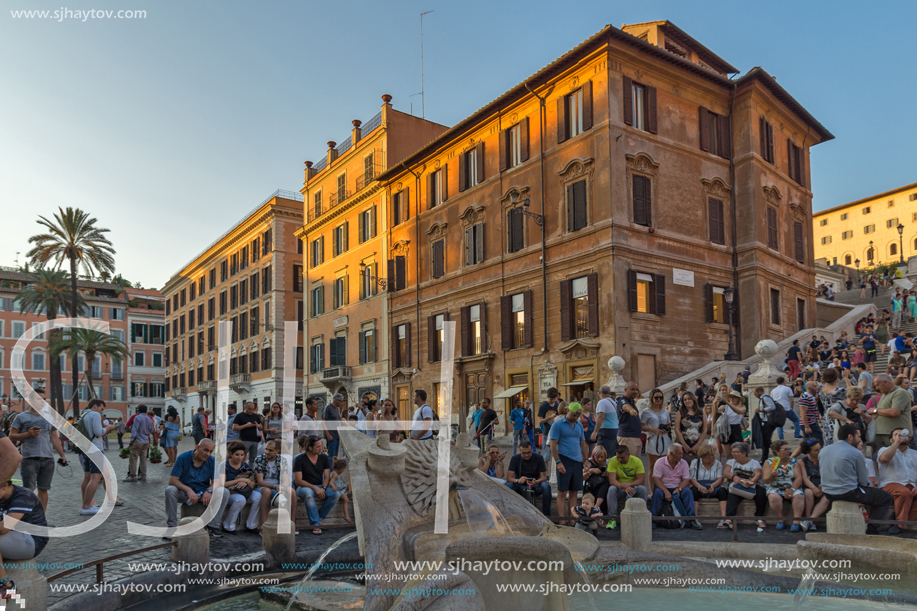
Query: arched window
(915, 243)
(848, 259)
(893, 249)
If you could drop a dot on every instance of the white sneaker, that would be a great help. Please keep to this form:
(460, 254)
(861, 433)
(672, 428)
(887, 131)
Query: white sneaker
(811, 526)
(89, 512)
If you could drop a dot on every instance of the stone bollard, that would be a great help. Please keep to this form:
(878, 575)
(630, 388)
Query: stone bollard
(282, 546)
(193, 548)
(846, 519)
(636, 525)
(31, 587)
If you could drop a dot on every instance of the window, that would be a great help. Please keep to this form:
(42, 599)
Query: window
(234, 297)
(893, 249)
(368, 280)
(211, 340)
(436, 186)
(341, 188)
(867, 210)
(514, 145)
(474, 244)
(340, 239)
(643, 200)
(475, 331)
(772, 241)
(300, 310)
(767, 141)
(435, 335)
(243, 325)
(193, 291)
(243, 289)
(574, 107)
(212, 278)
(400, 208)
(517, 327)
(515, 227)
(253, 284)
(869, 229)
(254, 321)
(116, 393)
(717, 221)
(891, 203)
(369, 169)
(299, 246)
(397, 274)
(268, 242)
(577, 217)
(826, 240)
(367, 342)
(316, 204)
(183, 295)
(796, 162)
(157, 358)
(823, 222)
(639, 105)
(581, 307)
(341, 294)
(646, 292)
(439, 258)
(714, 133)
(402, 348)
(316, 356)
(297, 279)
(716, 304)
(253, 362)
(38, 361)
(471, 167)
(848, 259)
(846, 235)
(775, 307)
(891, 223)
(266, 280)
(222, 302)
(191, 318)
(116, 313)
(256, 249)
(139, 358)
(844, 216)
(799, 246)
(318, 251)
(318, 300)
(338, 351)
(367, 228)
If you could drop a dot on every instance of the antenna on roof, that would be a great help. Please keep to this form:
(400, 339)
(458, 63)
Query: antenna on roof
(422, 108)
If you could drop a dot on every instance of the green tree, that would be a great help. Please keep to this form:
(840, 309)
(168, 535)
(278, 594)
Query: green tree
(90, 342)
(73, 236)
(49, 292)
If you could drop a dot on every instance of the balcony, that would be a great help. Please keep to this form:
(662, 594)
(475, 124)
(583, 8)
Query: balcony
(335, 375)
(117, 375)
(206, 386)
(179, 394)
(240, 382)
(369, 174)
(315, 211)
(339, 197)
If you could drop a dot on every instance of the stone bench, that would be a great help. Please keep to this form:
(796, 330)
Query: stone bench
(31, 586)
(335, 518)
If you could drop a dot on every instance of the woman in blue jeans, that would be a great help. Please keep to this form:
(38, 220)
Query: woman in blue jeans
(312, 478)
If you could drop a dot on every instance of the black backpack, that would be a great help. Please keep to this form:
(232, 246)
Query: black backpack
(666, 510)
(777, 417)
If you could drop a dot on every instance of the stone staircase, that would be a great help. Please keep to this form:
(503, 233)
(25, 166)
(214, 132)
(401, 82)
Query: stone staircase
(883, 301)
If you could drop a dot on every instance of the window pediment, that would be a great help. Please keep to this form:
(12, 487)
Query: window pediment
(642, 164)
(772, 195)
(716, 188)
(472, 215)
(514, 196)
(437, 231)
(576, 168)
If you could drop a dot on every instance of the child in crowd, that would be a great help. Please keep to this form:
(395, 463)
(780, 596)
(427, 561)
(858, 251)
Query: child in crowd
(337, 483)
(587, 510)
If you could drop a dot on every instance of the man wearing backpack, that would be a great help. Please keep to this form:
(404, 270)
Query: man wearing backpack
(422, 427)
(90, 425)
(773, 417)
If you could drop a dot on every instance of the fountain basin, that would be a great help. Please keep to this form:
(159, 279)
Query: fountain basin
(680, 598)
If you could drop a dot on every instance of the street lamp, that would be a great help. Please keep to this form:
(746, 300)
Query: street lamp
(901, 241)
(539, 220)
(728, 296)
(380, 281)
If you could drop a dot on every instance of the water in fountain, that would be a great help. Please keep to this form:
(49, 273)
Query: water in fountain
(806, 585)
(582, 571)
(483, 518)
(318, 563)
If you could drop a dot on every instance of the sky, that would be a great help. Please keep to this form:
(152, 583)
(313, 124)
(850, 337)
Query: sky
(170, 128)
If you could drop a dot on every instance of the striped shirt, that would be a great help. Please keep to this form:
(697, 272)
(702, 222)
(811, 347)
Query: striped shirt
(808, 406)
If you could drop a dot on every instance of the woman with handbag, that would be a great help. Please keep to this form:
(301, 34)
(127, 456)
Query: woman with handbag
(656, 423)
(594, 479)
(240, 483)
(782, 482)
(743, 475)
(707, 479)
(809, 472)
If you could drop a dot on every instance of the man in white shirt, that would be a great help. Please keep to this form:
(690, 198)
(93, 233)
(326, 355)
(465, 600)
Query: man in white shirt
(898, 476)
(422, 427)
(783, 395)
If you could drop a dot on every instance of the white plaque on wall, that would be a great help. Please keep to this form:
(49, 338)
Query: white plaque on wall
(340, 322)
(683, 277)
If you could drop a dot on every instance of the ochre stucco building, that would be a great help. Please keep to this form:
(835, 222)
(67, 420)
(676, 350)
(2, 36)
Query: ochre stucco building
(660, 181)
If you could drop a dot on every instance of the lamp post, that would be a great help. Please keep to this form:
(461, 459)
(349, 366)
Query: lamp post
(728, 295)
(901, 242)
(382, 282)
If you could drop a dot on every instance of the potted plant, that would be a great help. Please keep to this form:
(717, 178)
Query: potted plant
(155, 454)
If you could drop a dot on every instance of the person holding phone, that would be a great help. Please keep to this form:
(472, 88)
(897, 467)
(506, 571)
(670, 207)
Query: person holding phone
(39, 441)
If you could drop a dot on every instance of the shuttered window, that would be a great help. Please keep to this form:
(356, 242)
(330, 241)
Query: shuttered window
(717, 221)
(341, 292)
(714, 133)
(715, 303)
(340, 238)
(471, 167)
(401, 347)
(439, 258)
(795, 162)
(367, 224)
(400, 207)
(766, 133)
(642, 188)
(367, 346)
(775, 307)
(435, 331)
(515, 223)
(579, 307)
(473, 329)
(639, 105)
(574, 113)
(576, 206)
(517, 326)
(338, 352)
(799, 247)
(646, 292)
(514, 145)
(437, 183)
(474, 244)
(772, 242)
(317, 251)
(396, 274)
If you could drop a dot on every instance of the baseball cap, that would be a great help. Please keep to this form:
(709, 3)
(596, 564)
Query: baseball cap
(574, 407)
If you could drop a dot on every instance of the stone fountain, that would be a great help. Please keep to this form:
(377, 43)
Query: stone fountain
(394, 493)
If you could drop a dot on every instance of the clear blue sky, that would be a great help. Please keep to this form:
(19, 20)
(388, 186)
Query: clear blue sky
(169, 129)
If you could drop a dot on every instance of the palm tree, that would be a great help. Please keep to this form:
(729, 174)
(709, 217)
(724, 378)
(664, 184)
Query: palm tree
(74, 237)
(90, 342)
(49, 292)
